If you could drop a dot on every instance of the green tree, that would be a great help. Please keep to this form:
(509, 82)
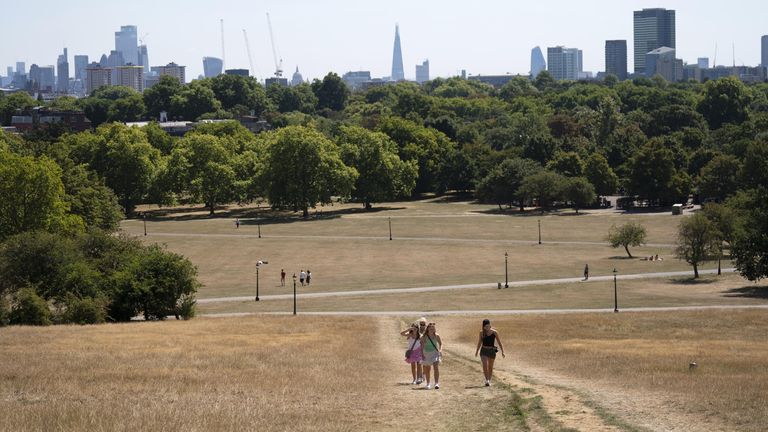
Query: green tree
(239, 93)
(331, 92)
(298, 98)
(579, 191)
(720, 177)
(750, 244)
(697, 241)
(544, 186)
(158, 97)
(503, 182)
(566, 163)
(30, 309)
(194, 100)
(725, 100)
(89, 198)
(754, 173)
(13, 102)
(630, 234)
(382, 174)
(600, 174)
(653, 175)
(303, 168)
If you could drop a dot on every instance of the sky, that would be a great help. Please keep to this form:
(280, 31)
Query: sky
(483, 38)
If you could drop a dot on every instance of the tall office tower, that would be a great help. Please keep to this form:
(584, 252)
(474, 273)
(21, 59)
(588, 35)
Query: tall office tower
(398, 74)
(661, 61)
(21, 68)
(538, 63)
(296, 79)
(212, 66)
(764, 51)
(62, 70)
(422, 72)
(81, 62)
(43, 78)
(97, 76)
(616, 58)
(143, 58)
(126, 42)
(703, 62)
(172, 69)
(654, 28)
(34, 77)
(564, 63)
(130, 76)
(10, 71)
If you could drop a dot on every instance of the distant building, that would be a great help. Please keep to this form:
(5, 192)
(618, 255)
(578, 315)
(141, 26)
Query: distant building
(702, 62)
(282, 82)
(42, 78)
(661, 61)
(497, 81)
(538, 63)
(130, 76)
(616, 58)
(97, 76)
(144, 59)
(564, 63)
(41, 117)
(764, 51)
(21, 68)
(171, 69)
(653, 28)
(238, 72)
(81, 62)
(355, 80)
(212, 66)
(398, 73)
(296, 79)
(62, 69)
(126, 42)
(422, 72)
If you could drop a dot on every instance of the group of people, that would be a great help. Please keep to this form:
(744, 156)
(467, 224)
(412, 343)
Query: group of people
(304, 276)
(425, 351)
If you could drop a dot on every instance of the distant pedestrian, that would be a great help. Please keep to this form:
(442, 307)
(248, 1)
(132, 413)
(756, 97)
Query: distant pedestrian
(432, 347)
(309, 276)
(486, 346)
(302, 276)
(237, 223)
(282, 277)
(586, 271)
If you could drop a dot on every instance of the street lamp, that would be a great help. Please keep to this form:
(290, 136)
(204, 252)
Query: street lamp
(390, 227)
(258, 265)
(539, 231)
(615, 293)
(294, 293)
(144, 216)
(506, 273)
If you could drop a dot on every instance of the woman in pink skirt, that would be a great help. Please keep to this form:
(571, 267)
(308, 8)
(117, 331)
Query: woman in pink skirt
(415, 355)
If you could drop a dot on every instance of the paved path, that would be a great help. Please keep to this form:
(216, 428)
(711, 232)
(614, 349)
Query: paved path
(494, 312)
(455, 287)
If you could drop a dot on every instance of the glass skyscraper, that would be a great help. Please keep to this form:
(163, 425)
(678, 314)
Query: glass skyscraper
(654, 28)
(127, 43)
(538, 63)
(616, 58)
(398, 73)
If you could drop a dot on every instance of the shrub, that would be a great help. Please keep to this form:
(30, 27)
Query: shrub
(4, 311)
(85, 310)
(185, 307)
(30, 309)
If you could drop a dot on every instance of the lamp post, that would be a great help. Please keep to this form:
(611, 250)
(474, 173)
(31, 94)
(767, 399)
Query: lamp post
(144, 216)
(390, 227)
(539, 231)
(294, 293)
(506, 273)
(258, 265)
(615, 293)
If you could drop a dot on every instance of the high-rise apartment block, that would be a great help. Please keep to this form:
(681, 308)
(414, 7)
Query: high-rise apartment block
(538, 63)
(616, 58)
(97, 76)
(398, 73)
(212, 66)
(172, 69)
(564, 63)
(62, 70)
(126, 42)
(654, 28)
(422, 72)
(130, 76)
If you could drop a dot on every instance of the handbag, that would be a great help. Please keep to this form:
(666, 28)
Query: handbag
(408, 352)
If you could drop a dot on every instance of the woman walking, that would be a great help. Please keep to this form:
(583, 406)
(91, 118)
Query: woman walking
(414, 355)
(486, 346)
(432, 346)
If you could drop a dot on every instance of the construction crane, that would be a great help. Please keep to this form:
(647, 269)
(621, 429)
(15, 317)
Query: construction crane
(278, 65)
(248, 48)
(143, 38)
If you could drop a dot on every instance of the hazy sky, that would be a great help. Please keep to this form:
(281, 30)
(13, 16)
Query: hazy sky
(487, 37)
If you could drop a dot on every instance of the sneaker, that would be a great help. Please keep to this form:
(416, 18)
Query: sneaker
(487, 383)
(414, 382)
(429, 386)
(437, 386)
(419, 381)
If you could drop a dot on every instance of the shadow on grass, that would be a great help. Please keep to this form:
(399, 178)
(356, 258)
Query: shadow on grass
(621, 257)
(759, 292)
(260, 215)
(693, 281)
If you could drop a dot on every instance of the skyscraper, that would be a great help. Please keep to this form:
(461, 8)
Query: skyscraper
(81, 62)
(126, 42)
(564, 63)
(538, 63)
(764, 51)
(616, 58)
(422, 72)
(703, 62)
(130, 76)
(212, 66)
(62, 70)
(172, 69)
(97, 76)
(398, 74)
(661, 61)
(144, 59)
(654, 28)
(21, 68)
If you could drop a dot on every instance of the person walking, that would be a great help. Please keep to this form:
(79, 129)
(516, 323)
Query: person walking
(414, 355)
(309, 276)
(486, 346)
(302, 276)
(282, 277)
(586, 271)
(432, 347)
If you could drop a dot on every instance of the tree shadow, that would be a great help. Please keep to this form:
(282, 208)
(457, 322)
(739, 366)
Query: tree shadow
(621, 257)
(690, 280)
(759, 292)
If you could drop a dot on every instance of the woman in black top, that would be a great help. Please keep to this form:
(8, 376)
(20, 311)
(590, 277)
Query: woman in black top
(486, 347)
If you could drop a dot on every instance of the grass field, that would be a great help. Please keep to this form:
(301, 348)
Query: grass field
(617, 371)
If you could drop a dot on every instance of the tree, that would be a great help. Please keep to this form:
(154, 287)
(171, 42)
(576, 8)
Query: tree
(566, 163)
(11, 103)
(544, 186)
(89, 198)
(697, 241)
(303, 168)
(194, 100)
(653, 175)
(725, 100)
(503, 182)
(749, 249)
(600, 174)
(754, 174)
(331, 92)
(630, 234)
(235, 91)
(158, 97)
(579, 191)
(720, 177)
(382, 174)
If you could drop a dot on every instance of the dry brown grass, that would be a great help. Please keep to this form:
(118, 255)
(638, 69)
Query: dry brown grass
(644, 357)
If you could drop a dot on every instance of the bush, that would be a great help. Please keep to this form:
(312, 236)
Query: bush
(30, 309)
(185, 307)
(85, 311)
(4, 311)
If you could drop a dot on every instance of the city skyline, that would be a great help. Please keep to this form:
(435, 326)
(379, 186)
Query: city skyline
(341, 36)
